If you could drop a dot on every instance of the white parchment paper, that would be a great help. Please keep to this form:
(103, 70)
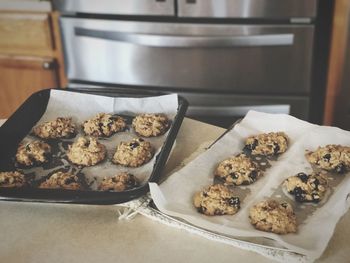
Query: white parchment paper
(316, 222)
(81, 107)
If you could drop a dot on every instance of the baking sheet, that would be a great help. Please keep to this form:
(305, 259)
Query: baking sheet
(81, 107)
(316, 223)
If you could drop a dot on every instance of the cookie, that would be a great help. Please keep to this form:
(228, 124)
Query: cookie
(118, 183)
(273, 216)
(216, 200)
(33, 153)
(104, 125)
(267, 144)
(86, 151)
(133, 153)
(12, 179)
(62, 180)
(238, 170)
(334, 158)
(56, 129)
(150, 125)
(307, 188)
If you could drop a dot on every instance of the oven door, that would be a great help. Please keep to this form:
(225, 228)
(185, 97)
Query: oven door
(190, 56)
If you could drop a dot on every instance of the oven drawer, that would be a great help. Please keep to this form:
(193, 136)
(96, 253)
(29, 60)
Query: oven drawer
(236, 58)
(223, 110)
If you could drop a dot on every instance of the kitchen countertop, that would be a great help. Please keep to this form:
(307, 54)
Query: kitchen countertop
(39, 232)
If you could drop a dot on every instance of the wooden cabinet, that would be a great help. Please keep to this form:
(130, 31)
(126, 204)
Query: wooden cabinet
(22, 76)
(30, 57)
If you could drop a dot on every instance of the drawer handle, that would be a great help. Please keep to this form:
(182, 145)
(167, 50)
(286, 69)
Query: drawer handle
(189, 41)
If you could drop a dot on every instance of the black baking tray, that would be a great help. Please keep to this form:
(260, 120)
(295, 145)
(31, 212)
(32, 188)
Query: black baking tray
(28, 114)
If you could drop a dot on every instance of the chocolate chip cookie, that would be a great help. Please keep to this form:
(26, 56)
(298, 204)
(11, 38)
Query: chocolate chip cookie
(12, 179)
(216, 200)
(86, 151)
(238, 170)
(33, 153)
(150, 125)
(118, 183)
(62, 180)
(133, 153)
(307, 188)
(56, 129)
(335, 158)
(273, 216)
(104, 125)
(267, 144)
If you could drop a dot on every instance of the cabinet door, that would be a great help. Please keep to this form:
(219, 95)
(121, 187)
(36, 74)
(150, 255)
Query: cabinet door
(22, 76)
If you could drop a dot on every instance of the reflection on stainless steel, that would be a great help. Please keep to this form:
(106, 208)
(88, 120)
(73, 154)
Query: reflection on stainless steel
(121, 7)
(248, 8)
(145, 53)
(236, 110)
(189, 41)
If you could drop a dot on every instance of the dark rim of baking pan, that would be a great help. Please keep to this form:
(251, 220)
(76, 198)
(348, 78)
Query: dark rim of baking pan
(28, 114)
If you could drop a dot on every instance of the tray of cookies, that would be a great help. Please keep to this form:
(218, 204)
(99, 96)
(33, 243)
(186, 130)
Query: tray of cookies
(75, 147)
(272, 180)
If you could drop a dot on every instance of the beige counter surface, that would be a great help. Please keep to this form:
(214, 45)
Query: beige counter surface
(38, 232)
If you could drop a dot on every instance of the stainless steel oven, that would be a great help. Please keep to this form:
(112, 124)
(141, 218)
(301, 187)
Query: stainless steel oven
(224, 56)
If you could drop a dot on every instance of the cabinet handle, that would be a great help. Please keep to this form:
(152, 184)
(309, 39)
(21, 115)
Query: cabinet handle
(48, 65)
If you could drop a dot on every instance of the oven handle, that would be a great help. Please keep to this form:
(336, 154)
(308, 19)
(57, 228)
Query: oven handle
(175, 41)
(236, 110)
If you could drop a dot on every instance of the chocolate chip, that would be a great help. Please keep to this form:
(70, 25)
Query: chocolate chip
(234, 176)
(316, 182)
(284, 205)
(303, 177)
(201, 209)
(276, 148)
(27, 148)
(253, 175)
(69, 180)
(340, 168)
(299, 194)
(141, 140)
(327, 157)
(134, 145)
(252, 146)
(234, 201)
(315, 197)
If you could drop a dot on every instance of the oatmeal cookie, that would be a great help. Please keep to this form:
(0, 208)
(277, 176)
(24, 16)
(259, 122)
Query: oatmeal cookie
(12, 179)
(33, 153)
(307, 188)
(267, 144)
(330, 157)
(104, 125)
(238, 170)
(59, 128)
(62, 180)
(273, 216)
(150, 125)
(133, 153)
(119, 182)
(216, 200)
(86, 151)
